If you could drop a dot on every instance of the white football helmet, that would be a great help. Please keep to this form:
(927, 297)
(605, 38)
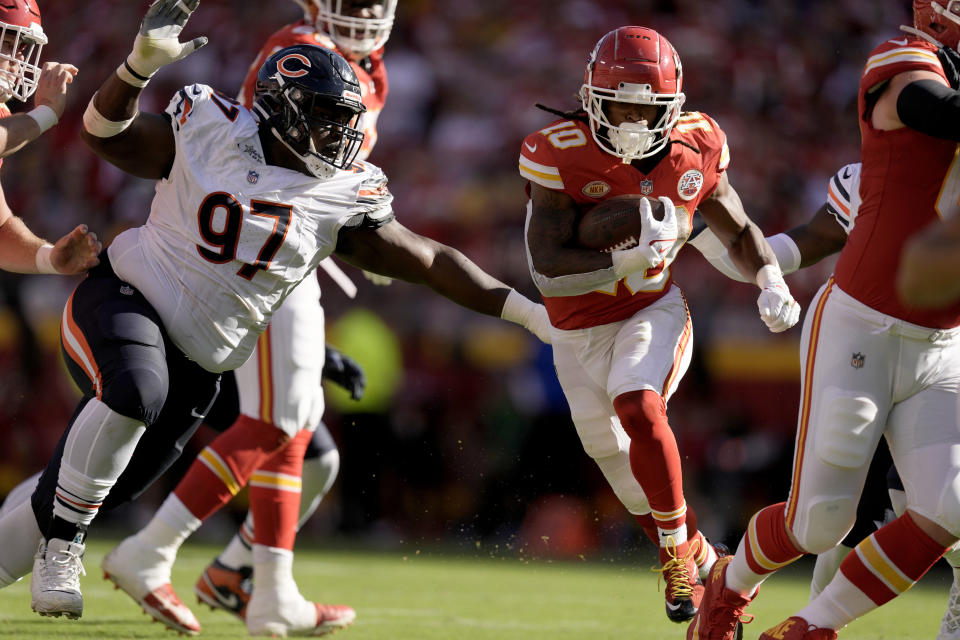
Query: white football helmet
(636, 65)
(357, 27)
(22, 39)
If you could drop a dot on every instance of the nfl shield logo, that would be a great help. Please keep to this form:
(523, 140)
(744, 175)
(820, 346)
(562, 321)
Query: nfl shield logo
(856, 360)
(646, 187)
(252, 177)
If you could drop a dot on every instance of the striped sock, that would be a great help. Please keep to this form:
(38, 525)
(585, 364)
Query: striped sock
(765, 548)
(275, 495)
(880, 568)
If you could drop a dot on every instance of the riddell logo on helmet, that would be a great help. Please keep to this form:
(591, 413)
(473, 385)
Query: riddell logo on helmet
(596, 189)
(286, 65)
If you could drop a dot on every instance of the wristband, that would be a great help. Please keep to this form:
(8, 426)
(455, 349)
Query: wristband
(786, 251)
(97, 125)
(44, 264)
(44, 116)
(131, 77)
(516, 308)
(769, 276)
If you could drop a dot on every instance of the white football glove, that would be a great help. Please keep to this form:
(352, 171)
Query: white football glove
(656, 239)
(528, 314)
(778, 310)
(158, 42)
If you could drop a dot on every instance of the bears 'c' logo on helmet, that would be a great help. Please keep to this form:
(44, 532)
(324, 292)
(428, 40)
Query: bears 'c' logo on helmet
(293, 65)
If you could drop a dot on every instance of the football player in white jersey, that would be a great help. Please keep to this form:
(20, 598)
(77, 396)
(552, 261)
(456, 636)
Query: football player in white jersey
(277, 388)
(246, 205)
(21, 40)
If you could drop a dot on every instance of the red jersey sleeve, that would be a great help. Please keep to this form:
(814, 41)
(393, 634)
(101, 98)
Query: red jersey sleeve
(538, 162)
(896, 56)
(704, 134)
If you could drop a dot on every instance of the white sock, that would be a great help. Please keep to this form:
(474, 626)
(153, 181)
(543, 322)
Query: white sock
(238, 552)
(839, 604)
(97, 450)
(273, 569)
(170, 526)
(826, 567)
(20, 536)
(679, 535)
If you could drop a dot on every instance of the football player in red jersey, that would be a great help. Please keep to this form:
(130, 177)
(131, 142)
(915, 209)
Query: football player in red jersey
(621, 330)
(21, 40)
(871, 366)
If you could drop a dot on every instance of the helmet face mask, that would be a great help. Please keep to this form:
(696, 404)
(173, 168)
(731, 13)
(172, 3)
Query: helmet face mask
(357, 27)
(632, 65)
(938, 19)
(309, 97)
(21, 40)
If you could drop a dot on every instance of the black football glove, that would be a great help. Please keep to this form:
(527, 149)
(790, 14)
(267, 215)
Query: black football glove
(950, 61)
(345, 371)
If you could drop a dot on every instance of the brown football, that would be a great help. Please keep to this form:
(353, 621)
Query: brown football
(614, 223)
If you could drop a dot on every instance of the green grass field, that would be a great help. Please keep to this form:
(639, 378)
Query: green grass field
(423, 595)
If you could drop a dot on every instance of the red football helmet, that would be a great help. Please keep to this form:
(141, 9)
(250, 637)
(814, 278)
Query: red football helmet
(940, 20)
(357, 27)
(635, 65)
(22, 39)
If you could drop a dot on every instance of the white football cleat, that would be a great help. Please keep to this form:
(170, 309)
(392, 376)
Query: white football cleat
(143, 573)
(950, 625)
(55, 583)
(269, 614)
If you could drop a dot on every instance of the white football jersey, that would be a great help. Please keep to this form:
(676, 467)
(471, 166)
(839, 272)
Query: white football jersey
(229, 236)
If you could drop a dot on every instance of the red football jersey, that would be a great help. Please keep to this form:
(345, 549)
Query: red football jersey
(908, 179)
(564, 157)
(373, 85)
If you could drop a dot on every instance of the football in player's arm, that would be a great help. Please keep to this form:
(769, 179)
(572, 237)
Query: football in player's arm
(21, 75)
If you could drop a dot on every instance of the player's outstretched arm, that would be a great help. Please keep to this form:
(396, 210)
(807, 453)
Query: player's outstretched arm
(800, 247)
(113, 127)
(929, 264)
(49, 101)
(724, 214)
(395, 251)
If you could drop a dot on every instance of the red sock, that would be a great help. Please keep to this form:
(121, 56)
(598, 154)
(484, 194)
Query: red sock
(275, 494)
(891, 560)
(654, 458)
(767, 545)
(225, 465)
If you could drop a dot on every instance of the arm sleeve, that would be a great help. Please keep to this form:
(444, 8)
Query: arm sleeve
(931, 108)
(784, 248)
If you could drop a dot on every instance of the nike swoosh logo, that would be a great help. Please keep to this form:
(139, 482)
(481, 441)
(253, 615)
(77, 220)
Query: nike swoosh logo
(193, 412)
(846, 174)
(532, 148)
(673, 606)
(229, 600)
(904, 41)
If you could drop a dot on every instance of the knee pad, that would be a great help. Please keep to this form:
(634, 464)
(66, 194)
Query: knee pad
(136, 387)
(616, 469)
(846, 423)
(600, 433)
(826, 523)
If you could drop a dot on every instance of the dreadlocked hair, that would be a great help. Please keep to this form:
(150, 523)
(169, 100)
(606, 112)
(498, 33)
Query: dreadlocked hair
(576, 114)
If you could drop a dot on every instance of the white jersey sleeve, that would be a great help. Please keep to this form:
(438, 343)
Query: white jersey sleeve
(229, 236)
(843, 195)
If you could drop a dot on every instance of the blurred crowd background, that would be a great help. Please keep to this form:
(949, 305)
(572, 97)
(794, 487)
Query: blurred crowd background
(464, 437)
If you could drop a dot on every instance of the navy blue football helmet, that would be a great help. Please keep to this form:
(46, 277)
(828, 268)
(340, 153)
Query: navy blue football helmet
(310, 99)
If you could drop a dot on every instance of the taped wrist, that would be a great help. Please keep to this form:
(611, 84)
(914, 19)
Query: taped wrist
(97, 125)
(931, 108)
